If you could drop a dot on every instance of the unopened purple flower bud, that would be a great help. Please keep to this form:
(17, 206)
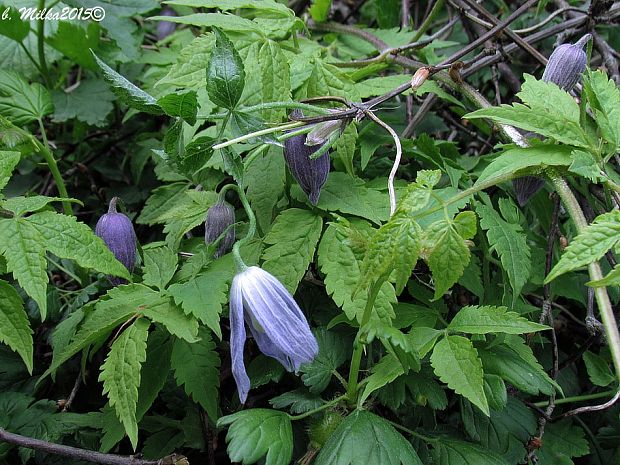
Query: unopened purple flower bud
(220, 217)
(310, 174)
(117, 232)
(566, 64)
(165, 28)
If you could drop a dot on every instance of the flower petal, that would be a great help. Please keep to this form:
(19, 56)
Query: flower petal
(237, 339)
(272, 306)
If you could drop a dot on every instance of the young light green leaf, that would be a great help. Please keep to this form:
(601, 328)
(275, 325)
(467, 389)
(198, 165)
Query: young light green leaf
(128, 93)
(292, 241)
(226, 22)
(612, 279)
(189, 70)
(255, 433)
(520, 158)
(14, 325)
(342, 274)
(604, 99)
(160, 264)
(20, 205)
(489, 319)
(120, 374)
(173, 318)
(364, 437)
(275, 78)
(8, 162)
(225, 72)
(384, 372)
(66, 237)
(196, 368)
(548, 110)
(22, 102)
(418, 193)
(203, 297)
(509, 241)
(448, 255)
(345, 147)
(590, 245)
(181, 104)
(584, 164)
(457, 364)
(320, 10)
(24, 250)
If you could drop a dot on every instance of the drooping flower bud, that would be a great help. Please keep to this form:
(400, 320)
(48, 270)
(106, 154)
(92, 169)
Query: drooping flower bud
(165, 28)
(566, 64)
(220, 217)
(310, 174)
(117, 232)
(419, 77)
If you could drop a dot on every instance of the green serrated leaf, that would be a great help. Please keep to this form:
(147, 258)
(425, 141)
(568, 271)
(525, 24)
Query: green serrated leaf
(12, 25)
(226, 22)
(457, 364)
(612, 279)
(189, 70)
(320, 10)
(292, 241)
(173, 318)
(333, 352)
(21, 205)
(548, 110)
(66, 237)
(598, 369)
(225, 72)
(342, 274)
(298, 401)
(74, 41)
(160, 264)
(590, 245)
(118, 306)
(196, 368)
(120, 374)
(509, 241)
(563, 442)
(516, 364)
(22, 102)
(181, 104)
(14, 325)
(489, 319)
(255, 433)
(24, 251)
(128, 93)
(345, 147)
(275, 78)
(384, 372)
(90, 102)
(8, 162)
(604, 99)
(265, 177)
(203, 297)
(364, 437)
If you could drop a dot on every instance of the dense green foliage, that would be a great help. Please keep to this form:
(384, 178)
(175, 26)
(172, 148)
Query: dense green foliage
(455, 324)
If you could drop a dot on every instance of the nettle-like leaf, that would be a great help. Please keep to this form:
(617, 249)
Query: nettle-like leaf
(364, 437)
(8, 162)
(509, 241)
(333, 352)
(22, 102)
(14, 325)
(196, 368)
(189, 70)
(182, 104)
(384, 372)
(342, 273)
(173, 318)
(120, 374)
(292, 241)
(298, 401)
(225, 72)
(604, 99)
(128, 93)
(547, 110)
(489, 319)
(590, 245)
(612, 279)
(563, 441)
(598, 369)
(456, 362)
(118, 306)
(160, 264)
(275, 78)
(256, 433)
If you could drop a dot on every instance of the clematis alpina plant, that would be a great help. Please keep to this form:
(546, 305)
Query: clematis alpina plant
(276, 322)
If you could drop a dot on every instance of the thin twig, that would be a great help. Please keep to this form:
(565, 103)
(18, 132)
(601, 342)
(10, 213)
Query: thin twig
(591, 408)
(82, 454)
(71, 398)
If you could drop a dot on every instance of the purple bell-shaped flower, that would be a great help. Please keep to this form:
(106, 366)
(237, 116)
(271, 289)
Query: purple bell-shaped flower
(275, 320)
(220, 217)
(117, 232)
(566, 64)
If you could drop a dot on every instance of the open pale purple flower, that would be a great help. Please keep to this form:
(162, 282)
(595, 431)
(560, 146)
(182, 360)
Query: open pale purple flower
(275, 320)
